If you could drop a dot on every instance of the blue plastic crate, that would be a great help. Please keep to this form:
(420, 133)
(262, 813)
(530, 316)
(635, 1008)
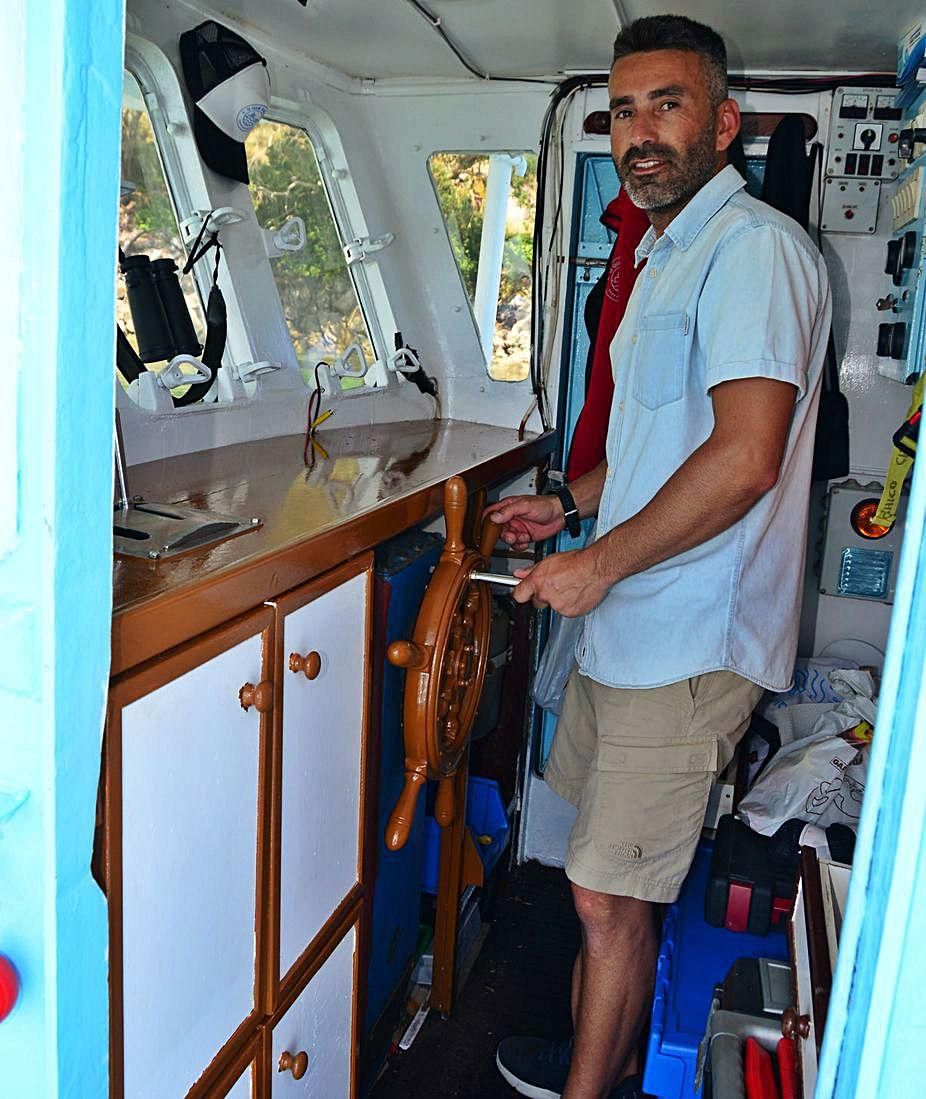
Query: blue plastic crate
(486, 819)
(693, 958)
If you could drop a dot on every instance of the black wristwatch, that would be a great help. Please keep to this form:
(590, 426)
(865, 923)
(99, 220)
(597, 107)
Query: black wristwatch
(570, 511)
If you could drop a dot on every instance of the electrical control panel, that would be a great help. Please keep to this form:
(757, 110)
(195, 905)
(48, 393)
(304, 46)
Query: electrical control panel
(850, 205)
(864, 131)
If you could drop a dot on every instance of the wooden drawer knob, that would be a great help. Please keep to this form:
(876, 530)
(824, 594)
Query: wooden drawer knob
(296, 1065)
(311, 664)
(260, 697)
(794, 1026)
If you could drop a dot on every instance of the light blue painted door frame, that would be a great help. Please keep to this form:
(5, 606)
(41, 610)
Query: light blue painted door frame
(61, 175)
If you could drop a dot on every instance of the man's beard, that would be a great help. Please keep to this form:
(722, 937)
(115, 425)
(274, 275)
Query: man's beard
(684, 174)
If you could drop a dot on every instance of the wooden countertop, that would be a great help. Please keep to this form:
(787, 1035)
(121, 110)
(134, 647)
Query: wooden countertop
(374, 483)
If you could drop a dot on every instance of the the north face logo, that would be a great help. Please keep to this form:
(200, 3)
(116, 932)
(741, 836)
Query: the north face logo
(625, 850)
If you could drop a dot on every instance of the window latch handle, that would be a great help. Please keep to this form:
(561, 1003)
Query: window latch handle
(360, 248)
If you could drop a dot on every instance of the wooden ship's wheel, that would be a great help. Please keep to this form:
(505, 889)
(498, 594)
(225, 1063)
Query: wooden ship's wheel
(445, 664)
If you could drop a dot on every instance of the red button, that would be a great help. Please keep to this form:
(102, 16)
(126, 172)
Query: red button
(9, 986)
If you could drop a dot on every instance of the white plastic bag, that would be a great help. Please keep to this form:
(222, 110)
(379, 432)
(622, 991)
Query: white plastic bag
(820, 776)
(556, 662)
(797, 722)
(820, 779)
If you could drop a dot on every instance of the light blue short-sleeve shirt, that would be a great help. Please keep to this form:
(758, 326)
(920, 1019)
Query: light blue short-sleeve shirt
(732, 289)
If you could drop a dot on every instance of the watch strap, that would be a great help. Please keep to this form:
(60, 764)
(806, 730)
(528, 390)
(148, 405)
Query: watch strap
(570, 511)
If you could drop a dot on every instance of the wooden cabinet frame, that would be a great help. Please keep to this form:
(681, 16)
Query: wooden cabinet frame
(123, 691)
(323, 946)
(279, 986)
(274, 993)
(224, 1078)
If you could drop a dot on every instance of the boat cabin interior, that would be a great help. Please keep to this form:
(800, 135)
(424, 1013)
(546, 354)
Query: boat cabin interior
(276, 724)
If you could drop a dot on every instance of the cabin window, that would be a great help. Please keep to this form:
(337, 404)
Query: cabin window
(147, 219)
(318, 294)
(488, 203)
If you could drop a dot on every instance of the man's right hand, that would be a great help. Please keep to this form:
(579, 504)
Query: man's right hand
(526, 519)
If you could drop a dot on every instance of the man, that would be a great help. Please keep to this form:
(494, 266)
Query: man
(691, 592)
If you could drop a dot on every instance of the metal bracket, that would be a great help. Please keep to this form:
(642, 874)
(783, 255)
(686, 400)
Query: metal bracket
(290, 237)
(360, 248)
(218, 219)
(341, 367)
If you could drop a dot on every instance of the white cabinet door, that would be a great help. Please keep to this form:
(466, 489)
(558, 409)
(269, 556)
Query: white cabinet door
(321, 762)
(320, 1024)
(189, 777)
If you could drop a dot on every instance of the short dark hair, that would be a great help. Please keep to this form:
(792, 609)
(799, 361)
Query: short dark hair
(678, 32)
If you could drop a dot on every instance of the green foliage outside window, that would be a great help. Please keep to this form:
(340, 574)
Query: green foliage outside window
(318, 296)
(460, 183)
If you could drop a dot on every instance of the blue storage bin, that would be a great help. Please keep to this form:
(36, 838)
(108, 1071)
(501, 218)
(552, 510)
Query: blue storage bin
(486, 819)
(693, 958)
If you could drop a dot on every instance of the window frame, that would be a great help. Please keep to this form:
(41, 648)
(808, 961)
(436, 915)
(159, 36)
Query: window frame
(486, 153)
(175, 180)
(189, 193)
(153, 113)
(350, 224)
(163, 98)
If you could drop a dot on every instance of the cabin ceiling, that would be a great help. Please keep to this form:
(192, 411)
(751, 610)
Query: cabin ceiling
(386, 39)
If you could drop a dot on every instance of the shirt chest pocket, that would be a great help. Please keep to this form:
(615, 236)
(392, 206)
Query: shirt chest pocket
(659, 373)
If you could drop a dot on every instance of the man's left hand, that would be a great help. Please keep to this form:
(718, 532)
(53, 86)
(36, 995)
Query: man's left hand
(568, 582)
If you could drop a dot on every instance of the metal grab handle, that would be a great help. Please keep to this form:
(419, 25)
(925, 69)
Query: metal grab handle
(172, 376)
(496, 578)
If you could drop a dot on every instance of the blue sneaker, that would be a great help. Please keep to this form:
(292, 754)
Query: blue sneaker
(538, 1069)
(534, 1067)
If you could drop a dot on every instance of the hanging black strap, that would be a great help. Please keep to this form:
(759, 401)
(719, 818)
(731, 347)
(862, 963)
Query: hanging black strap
(197, 252)
(128, 363)
(216, 328)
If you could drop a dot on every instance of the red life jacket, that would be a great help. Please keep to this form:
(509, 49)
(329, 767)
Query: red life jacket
(588, 440)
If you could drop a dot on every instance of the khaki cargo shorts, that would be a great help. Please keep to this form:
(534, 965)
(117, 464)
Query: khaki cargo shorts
(638, 765)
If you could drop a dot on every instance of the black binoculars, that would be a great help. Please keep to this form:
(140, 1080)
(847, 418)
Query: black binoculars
(163, 326)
